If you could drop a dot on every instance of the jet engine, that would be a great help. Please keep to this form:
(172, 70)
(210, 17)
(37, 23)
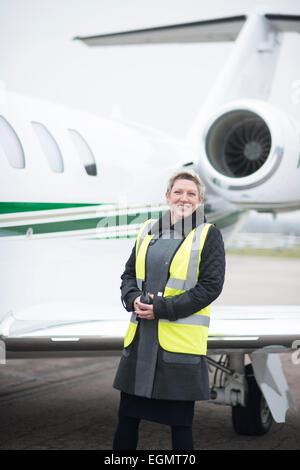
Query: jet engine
(250, 155)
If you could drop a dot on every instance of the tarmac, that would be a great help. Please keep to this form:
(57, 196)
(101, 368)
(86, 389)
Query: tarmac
(70, 404)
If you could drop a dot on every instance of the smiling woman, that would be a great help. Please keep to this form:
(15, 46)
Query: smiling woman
(179, 261)
(184, 194)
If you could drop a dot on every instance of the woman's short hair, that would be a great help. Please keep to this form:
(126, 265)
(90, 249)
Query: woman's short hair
(186, 175)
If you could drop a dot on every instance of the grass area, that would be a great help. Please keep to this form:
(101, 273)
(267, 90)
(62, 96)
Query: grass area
(279, 253)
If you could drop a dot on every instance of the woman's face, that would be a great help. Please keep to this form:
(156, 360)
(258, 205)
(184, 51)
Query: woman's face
(183, 199)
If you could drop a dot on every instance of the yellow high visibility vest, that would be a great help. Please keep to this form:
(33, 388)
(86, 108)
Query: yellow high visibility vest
(186, 335)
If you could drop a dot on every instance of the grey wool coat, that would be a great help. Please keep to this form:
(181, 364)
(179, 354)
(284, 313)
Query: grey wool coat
(145, 369)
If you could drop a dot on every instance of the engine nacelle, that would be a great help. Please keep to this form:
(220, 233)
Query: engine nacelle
(251, 156)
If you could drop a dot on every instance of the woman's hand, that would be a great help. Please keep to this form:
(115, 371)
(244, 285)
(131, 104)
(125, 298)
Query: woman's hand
(144, 311)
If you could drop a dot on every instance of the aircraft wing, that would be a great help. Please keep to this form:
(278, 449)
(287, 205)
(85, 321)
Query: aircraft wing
(254, 327)
(232, 328)
(214, 30)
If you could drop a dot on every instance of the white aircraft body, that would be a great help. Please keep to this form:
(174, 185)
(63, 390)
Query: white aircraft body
(75, 190)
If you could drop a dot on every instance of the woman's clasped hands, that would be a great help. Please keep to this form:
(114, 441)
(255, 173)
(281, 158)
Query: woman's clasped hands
(144, 311)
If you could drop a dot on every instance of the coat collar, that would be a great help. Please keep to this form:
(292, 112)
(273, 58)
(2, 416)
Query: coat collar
(182, 227)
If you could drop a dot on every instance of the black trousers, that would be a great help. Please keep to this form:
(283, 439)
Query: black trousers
(127, 435)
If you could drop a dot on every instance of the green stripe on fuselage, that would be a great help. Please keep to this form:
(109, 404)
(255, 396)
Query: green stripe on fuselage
(13, 207)
(98, 223)
(80, 224)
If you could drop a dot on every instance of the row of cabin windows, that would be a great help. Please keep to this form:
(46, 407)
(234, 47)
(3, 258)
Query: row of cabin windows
(14, 152)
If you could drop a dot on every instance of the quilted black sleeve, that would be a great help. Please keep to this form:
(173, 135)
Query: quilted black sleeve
(209, 285)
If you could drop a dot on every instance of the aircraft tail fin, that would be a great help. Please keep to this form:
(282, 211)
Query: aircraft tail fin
(250, 69)
(213, 30)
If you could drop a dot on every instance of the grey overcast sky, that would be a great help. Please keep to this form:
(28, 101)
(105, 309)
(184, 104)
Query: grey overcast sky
(161, 86)
(158, 86)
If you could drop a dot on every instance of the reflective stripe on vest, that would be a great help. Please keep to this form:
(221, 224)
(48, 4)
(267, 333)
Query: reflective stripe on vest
(187, 335)
(141, 248)
(142, 243)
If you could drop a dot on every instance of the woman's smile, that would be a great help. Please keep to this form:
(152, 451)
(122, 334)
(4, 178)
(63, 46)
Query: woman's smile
(183, 199)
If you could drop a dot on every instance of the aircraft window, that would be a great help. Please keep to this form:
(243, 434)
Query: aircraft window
(11, 145)
(49, 146)
(84, 151)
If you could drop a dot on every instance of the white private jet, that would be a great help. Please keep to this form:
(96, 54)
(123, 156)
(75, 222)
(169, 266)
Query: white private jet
(76, 188)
